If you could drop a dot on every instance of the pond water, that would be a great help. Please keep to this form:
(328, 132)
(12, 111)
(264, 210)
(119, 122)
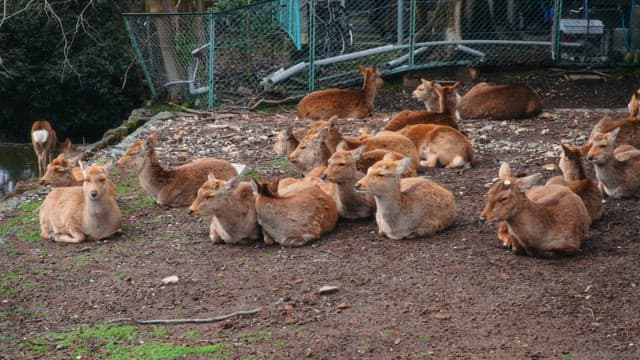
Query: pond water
(17, 162)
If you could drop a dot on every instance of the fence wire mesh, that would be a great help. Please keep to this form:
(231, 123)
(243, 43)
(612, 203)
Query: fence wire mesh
(284, 48)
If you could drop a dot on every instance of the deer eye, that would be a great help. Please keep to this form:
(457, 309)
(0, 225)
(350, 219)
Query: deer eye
(503, 199)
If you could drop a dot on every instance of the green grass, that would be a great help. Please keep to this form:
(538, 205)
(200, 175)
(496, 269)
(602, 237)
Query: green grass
(25, 224)
(252, 174)
(263, 336)
(192, 335)
(117, 342)
(422, 338)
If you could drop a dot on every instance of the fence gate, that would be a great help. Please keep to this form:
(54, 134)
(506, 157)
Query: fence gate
(284, 48)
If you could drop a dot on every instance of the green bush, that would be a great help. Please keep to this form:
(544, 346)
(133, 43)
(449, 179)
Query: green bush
(80, 103)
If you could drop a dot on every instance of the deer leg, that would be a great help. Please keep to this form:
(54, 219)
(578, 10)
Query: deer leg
(267, 238)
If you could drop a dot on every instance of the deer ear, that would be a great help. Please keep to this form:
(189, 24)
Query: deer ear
(210, 176)
(611, 138)
(107, 165)
(83, 168)
(565, 149)
(402, 165)
(388, 156)
(357, 153)
(456, 85)
(526, 183)
(151, 140)
(255, 185)
(584, 149)
(232, 183)
(362, 70)
(505, 171)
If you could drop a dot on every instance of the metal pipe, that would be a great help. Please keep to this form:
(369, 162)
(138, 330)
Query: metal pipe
(471, 51)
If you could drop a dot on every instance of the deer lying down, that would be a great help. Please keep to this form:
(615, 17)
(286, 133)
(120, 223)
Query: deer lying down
(541, 221)
(371, 157)
(445, 114)
(343, 103)
(79, 213)
(629, 133)
(313, 152)
(295, 215)
(618, 171)
(61, 172)
(440, 145)
(288, 139)
(343, 173)
(574, 175)
(233, 209)
(494, 101)
(409, 207)
(171, 186)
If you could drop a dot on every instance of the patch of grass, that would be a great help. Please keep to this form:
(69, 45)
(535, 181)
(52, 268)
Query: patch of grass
(279, 344)
(119, 342)
(422, 338)
(25, 224)
(363, 305)
(192, 335)
(387, 332)
(119, 274)
(251, 174)
(262, 336)
(86, 259)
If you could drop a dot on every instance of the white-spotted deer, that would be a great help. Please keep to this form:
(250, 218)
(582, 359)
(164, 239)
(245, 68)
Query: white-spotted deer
(541, 221)
(295, 215)
(446, 114)
(617, 169)
(342, 172)
(233, 208)
(171, 186)
(407, 207)
(44, 140)
(343, 103)
(493, 101)
(79, 213)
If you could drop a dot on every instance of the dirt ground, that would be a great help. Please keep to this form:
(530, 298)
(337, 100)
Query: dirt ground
(456, 295)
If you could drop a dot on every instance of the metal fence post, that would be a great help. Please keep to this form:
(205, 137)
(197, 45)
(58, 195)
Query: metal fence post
(212, 38)
(555, 30)
(136, 49)
(312, 45)
(412, 32)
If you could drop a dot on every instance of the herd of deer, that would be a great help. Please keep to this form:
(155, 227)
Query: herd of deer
(354, 177)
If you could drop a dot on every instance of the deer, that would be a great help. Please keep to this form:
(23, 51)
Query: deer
(288, 139)
(574, 175)
(446, 114)
(343, 103)
(440, 145)
(342, 172)
(493, 101)
(295, 215)
(617, 169)
(233, 208)
(634, 104)
(544, 221)
(629, 126)
(61, 172)
(407, 207)
(171, 187)
(78, 213)
(313, 152)
(44, 140)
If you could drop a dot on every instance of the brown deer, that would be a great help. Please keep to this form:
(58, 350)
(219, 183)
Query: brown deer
(295, 215)
(634, 104)
(574, 175)
(445, 114)
(61, 172)
(541, 221)
(233, 209)
(171, 186)
(617, 169)
(342, 171)
(78, 213)
(343, 103)
(440, 145)
(493, 101)
(407, 207)
(44, 141)
(629, 126)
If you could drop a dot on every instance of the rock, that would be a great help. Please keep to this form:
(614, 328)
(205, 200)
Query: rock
(328, 289)
(173, 279)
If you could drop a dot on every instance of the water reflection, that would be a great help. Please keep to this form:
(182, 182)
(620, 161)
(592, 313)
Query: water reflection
(17, 162)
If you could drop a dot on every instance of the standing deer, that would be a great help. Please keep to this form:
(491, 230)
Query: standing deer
(541, 221)
(407, 207)
(44, 141)
(171, 186)
(78, 213)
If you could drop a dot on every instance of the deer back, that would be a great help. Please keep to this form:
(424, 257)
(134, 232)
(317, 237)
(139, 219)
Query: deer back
(439, 144)
(500, 102)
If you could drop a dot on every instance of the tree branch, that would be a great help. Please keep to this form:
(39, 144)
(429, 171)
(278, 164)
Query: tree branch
(185, 321)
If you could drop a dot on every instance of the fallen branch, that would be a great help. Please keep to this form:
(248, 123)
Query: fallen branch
(270, 102)
(185, 321)
(190, 111)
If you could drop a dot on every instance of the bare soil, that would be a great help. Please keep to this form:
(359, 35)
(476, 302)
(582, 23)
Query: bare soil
(456, 295)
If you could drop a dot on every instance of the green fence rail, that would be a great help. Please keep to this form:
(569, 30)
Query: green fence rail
(285, 48)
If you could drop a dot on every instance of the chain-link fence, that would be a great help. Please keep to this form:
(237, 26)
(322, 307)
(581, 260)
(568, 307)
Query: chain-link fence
(285, 48)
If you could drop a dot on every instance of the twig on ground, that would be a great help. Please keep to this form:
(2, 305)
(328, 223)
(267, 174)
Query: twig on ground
(185, 321)
(270, 102)
(331, 253)
(589, 310)
(190, 111)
